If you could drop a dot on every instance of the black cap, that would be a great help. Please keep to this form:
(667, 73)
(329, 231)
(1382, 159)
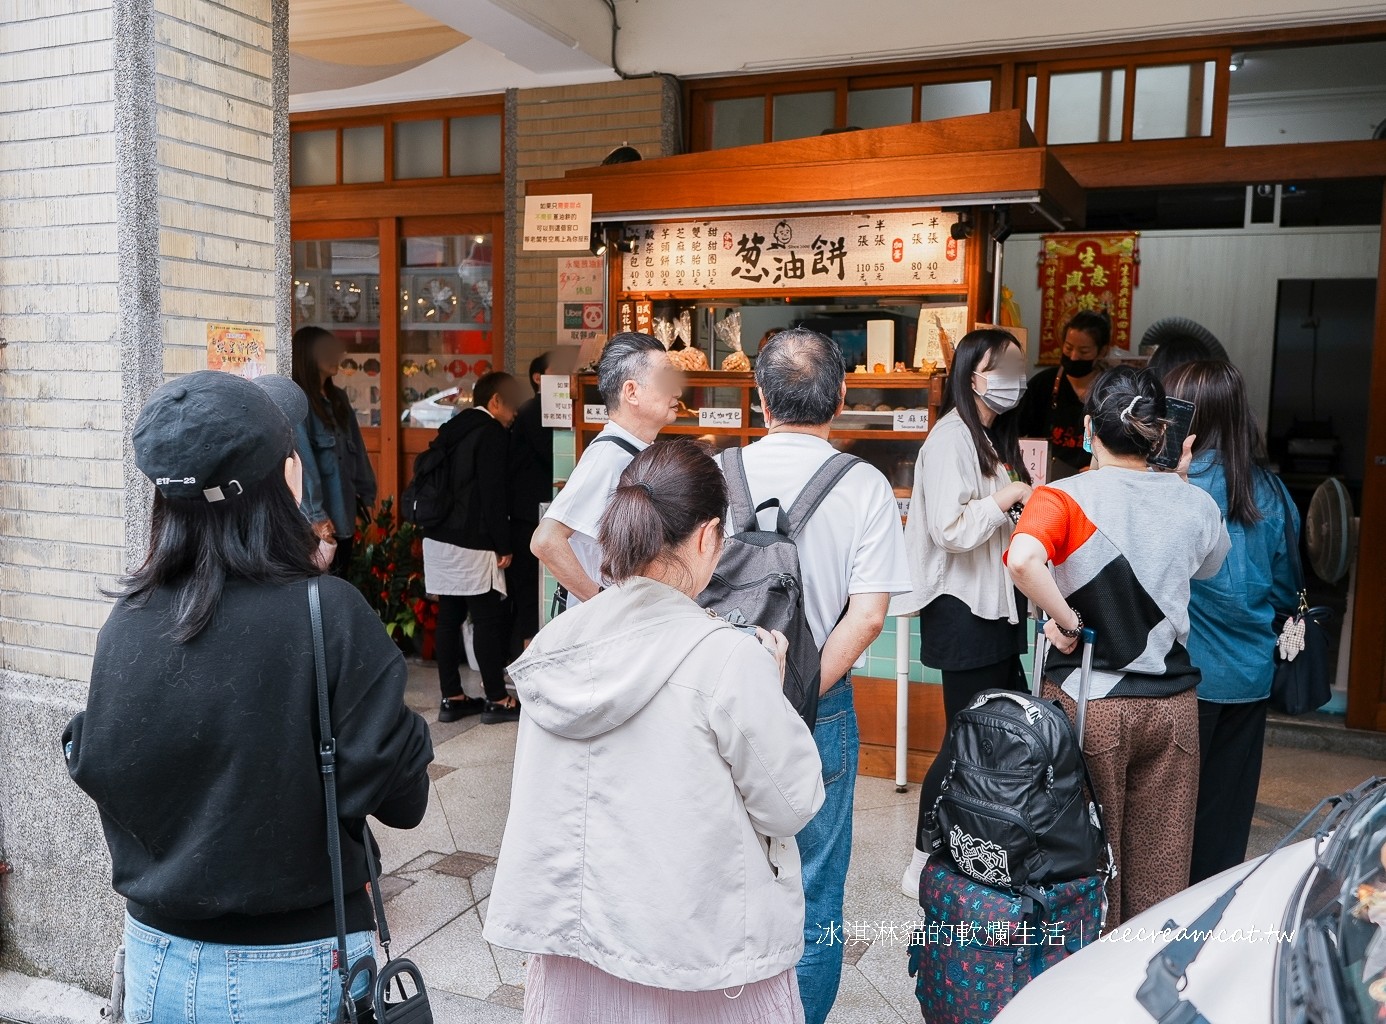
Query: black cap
(210, 435)
(287, 395)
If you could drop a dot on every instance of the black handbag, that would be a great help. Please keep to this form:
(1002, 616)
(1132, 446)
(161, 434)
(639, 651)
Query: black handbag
(1301, 685)
(381, 1004)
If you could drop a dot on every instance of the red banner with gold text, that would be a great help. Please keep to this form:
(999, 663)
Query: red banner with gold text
(1095, 272)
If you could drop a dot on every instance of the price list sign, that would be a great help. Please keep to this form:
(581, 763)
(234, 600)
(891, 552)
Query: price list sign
(899, 248)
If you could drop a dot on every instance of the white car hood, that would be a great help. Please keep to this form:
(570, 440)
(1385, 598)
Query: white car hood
(1230, 982)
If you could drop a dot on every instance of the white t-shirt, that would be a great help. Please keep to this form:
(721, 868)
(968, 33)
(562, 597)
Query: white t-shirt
(581, 502)
(853, 544)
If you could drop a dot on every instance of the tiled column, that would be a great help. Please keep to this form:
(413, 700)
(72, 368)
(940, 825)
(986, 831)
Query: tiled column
(138, 194)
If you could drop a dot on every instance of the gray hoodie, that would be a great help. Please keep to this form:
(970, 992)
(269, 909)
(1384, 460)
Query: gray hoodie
(660, 776)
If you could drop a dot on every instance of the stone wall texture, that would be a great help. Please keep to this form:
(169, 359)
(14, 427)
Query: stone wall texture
(136, 205)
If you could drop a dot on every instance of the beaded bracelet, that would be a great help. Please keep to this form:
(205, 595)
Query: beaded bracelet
(1072, 634)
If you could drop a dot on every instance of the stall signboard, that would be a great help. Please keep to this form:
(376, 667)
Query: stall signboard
(236, 348)
(910, 248)
(1078, 272)
(581, 313)
(562, 223)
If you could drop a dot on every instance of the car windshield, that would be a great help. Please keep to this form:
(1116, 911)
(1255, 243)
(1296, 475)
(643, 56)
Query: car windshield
(1361, 910)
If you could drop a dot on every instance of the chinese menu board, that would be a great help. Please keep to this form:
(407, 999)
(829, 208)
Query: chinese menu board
(1086, 272)
(900, 248)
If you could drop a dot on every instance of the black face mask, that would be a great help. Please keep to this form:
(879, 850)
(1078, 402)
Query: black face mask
(1077, 367)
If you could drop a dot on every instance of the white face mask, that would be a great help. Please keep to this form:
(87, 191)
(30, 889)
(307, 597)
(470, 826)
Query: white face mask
(1003, 391)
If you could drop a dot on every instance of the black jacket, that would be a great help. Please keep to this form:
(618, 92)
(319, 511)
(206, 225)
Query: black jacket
(531, 464)
(479, 448)
(202, 760)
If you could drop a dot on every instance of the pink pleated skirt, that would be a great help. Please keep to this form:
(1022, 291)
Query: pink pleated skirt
(565, 990)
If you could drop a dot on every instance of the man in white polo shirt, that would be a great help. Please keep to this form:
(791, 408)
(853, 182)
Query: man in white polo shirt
(852, 558)
(641, 389)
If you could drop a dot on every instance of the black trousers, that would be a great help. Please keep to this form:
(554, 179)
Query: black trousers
(1230, 739)
(959, 688)
(522, 580)
(490, 635)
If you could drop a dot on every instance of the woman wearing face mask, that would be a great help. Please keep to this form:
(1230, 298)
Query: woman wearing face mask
(1053, 405)
(969, 487)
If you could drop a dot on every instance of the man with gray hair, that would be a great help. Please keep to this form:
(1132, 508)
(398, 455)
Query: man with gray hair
(852, 559)
(641, 389)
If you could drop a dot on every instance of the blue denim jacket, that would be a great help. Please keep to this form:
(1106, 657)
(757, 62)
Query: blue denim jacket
(1235, 616)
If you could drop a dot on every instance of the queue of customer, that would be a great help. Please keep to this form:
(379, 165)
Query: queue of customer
(702, 882)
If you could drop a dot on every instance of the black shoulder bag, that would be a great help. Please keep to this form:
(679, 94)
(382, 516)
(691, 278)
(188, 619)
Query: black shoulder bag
(1300, 685)
(376, 1006)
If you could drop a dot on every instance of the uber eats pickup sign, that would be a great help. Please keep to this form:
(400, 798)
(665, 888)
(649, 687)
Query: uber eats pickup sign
(558, 223)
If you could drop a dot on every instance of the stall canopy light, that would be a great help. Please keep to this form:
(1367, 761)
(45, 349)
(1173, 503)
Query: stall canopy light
(1031, 199)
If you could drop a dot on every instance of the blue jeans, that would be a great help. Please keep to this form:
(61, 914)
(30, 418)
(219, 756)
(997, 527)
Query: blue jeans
(170, 980)
(825, 847)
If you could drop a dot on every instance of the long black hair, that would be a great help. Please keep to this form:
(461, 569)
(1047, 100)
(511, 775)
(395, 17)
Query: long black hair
(1223, 423)
(1127, 407)
(328, 402)
(999, 443)
(196, 546)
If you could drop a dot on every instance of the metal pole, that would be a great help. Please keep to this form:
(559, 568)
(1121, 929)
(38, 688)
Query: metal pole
(902, 700)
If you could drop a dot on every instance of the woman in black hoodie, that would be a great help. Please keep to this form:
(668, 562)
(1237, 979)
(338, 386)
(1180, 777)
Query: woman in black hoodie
(199, 740)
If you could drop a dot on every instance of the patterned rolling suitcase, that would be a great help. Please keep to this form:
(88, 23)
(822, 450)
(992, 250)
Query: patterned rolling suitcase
(976, 946)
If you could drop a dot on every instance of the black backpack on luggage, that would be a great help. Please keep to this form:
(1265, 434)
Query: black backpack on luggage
(1013, 810)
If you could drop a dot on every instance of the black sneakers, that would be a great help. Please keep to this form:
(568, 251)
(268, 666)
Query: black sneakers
(454, 708)
(495, 713)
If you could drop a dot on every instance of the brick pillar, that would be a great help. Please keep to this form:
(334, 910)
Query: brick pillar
(552, 131)
(138, 194)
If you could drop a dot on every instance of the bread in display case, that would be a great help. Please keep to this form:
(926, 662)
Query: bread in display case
(884, 421)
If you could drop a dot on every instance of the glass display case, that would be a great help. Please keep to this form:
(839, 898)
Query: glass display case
(885, 420)
(445, 323)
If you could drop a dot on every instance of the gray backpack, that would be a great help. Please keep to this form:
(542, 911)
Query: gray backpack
(758, 581)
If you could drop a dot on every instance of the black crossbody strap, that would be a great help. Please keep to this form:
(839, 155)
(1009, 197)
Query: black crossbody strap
(327, 764)
(619, 442)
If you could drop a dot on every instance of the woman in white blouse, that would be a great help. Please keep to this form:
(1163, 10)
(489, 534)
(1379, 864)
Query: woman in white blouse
(969, 486)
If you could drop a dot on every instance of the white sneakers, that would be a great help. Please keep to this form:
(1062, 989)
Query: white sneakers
(909, 884)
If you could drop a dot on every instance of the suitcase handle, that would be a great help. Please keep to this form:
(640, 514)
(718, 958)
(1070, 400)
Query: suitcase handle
(1088, 637)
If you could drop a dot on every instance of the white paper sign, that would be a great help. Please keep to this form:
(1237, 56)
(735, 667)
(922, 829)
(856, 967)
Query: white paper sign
(1035, 452)
(903, 504)
(714, 417)
(555, 404)
(936, 322)
(562, 223)
(911, 419)
(901, 247)
(594, 413)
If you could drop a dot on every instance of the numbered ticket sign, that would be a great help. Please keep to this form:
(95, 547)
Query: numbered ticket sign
(911, 419)
(719, 417)
(1035, 453)
(594, 413)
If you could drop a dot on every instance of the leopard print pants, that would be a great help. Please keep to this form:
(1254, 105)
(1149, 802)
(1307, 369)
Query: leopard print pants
(1142, 753)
